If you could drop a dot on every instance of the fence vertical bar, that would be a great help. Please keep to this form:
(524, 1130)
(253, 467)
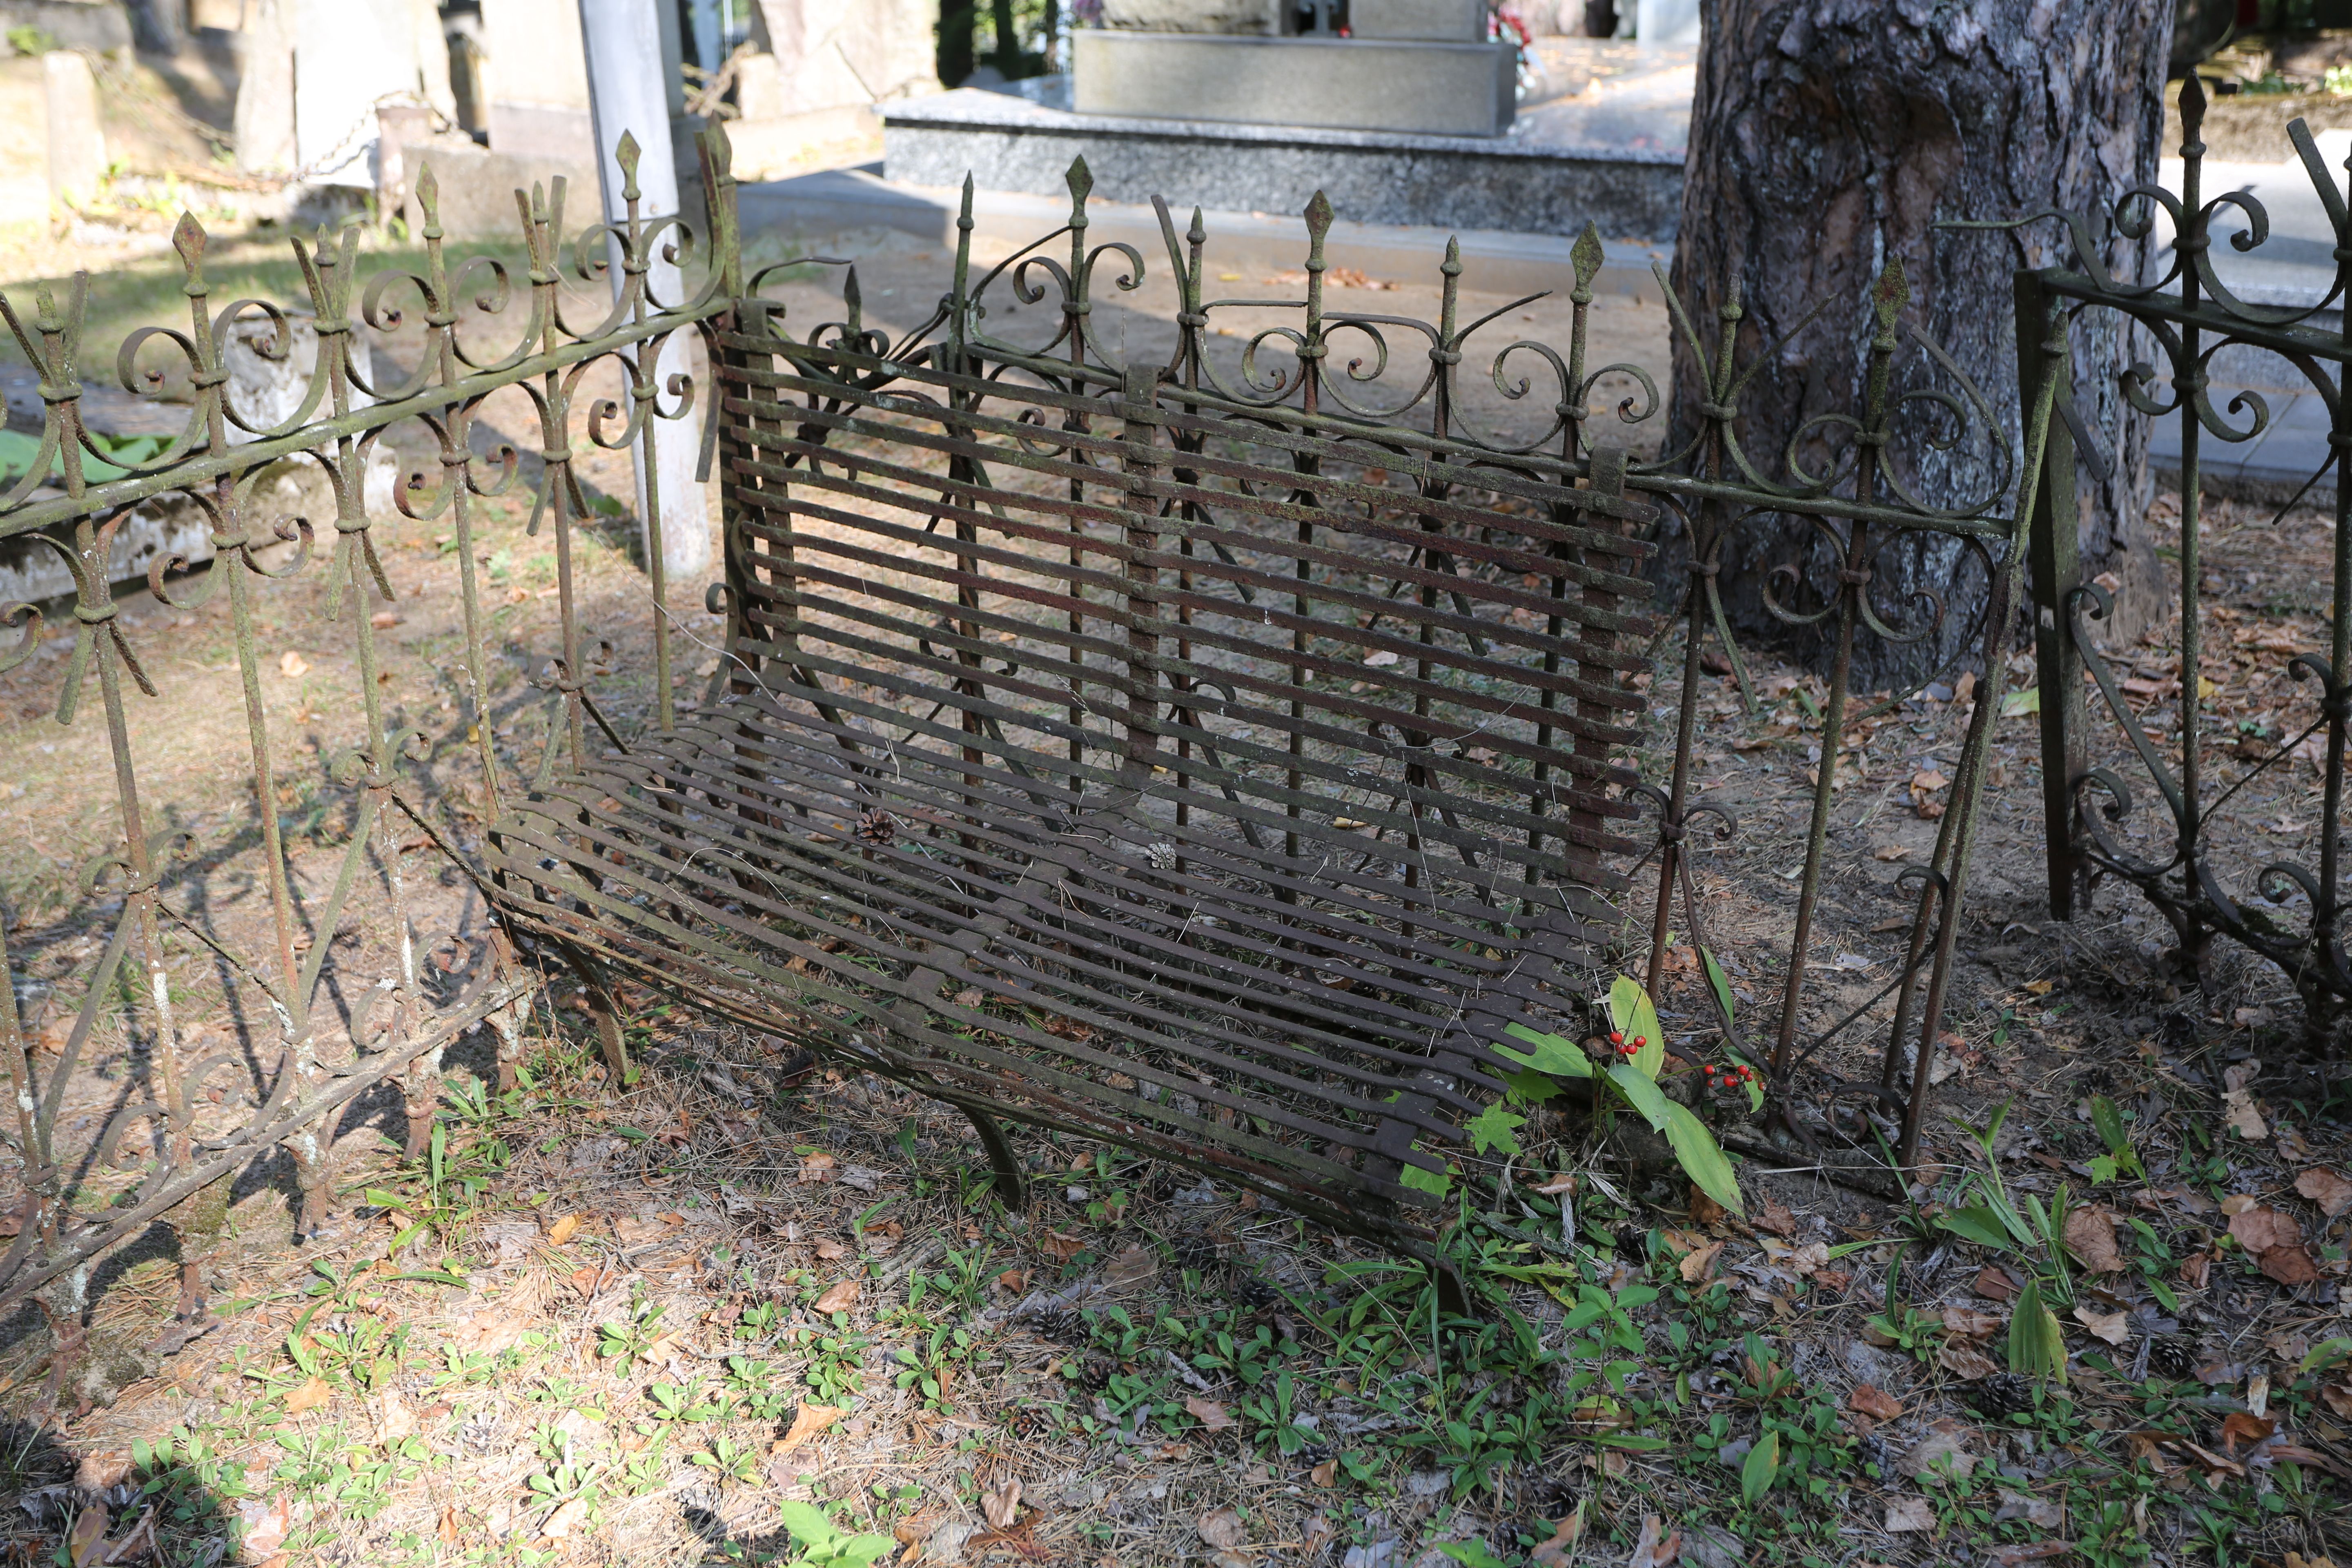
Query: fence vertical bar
(2056, 572)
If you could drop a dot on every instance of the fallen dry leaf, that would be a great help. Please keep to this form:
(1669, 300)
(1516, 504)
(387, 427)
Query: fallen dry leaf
(290, 663)
(2091, 1236)
(2261, 1229)
(566, 1520)
(1775, 1217)
(1992, 1282)
(830, 1251)
(2244, 1426)
(1015, 1280)
(1135, 1265)
(2290, 1265)
(2323, 1187)
(1942, 1455)
(313, 1392)
(1558, 1185)
(2113, 1327)
(817, 1168)
(1909, 1514)
(837, 1300)
(2042, 1513)
(2035, 1551)
(1001, 1504)
(563, 1230)
(1324, 1475)
(1875, 1401)
(807, 1422)
(1652, 1552)
(1699, 1263)
(1058, 1245)
(399, 1417)
(88, 1535)
(2239, 1111)
(1221, 1528)
(1211, 1415)
(1965, 1361)
(1554, 1553)
(1972, 1324)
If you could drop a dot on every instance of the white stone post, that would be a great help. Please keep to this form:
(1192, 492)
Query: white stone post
(627, 92)
(77, 142)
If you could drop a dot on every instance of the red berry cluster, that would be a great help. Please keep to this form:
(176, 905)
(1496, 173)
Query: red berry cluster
(1730, 1076)
(1626, 1048)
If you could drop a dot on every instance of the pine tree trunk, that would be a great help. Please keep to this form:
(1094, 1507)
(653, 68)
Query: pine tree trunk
(1830, 136)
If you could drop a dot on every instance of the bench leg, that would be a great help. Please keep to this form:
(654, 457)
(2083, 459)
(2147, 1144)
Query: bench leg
(1012, 1185)
(1451, 1300)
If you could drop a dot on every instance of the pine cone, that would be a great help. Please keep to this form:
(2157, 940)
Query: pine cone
(1254, 1293)
(877, 827)
(2171, 1356)
(2005, 1394)
(1163, 856)
(1315, 1453)
(1094, 1373)
(1633, 1244)
(1062, 1326)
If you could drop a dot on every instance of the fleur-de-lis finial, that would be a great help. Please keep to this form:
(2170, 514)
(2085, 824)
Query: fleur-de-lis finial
(1586, 257)
(626, 155)
(429, 196)
(1890, 294)
(1081, 180)
(1318, 216)
(188, 239)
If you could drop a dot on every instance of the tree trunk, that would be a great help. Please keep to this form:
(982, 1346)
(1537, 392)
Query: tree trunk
(1829, 137)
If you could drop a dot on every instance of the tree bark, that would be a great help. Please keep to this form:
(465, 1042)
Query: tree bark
(1829, 137)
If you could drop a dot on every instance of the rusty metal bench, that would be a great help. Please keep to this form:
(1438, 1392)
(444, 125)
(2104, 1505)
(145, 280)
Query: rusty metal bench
(1177, 753)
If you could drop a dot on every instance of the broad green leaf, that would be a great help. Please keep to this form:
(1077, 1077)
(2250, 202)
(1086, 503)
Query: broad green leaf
(1531, 1086)
(1702, 1157)
(1555, 1054)
(1422, 1180)
(1977, 1223)
(806, 1523)
(1471, 1554)
(1755, 1476)
(1641, 1093)
(1721, 987)
(2037, 1347)
(2327, 1354)
(2018, 703)
(1495, 1128)
(1632, 1015)
(1637, 1442)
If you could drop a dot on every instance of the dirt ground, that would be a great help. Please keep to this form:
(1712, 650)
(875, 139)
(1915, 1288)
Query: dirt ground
(723, 1314)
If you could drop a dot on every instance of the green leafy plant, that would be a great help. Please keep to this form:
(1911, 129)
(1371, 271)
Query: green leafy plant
(1761, 1467)
(2121, 1157)
(1632, 1079)
(631, 1339)
(728, 1460)
(2037, 1347)
(825, 1544)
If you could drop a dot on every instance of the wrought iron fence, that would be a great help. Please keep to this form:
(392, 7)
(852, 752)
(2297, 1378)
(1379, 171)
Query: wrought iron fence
(208, 991)
(2214, 877)
(1452, 605)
